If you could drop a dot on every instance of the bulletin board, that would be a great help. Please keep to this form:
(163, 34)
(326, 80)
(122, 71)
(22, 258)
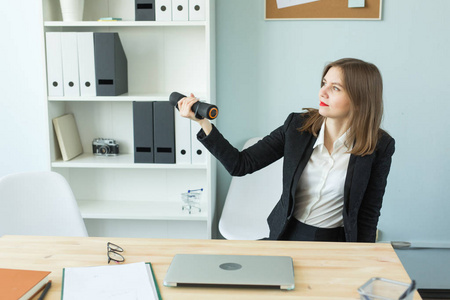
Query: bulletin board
(324, 10)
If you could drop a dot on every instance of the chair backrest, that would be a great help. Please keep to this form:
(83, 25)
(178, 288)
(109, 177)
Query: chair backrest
(250, 200)
(39, 203)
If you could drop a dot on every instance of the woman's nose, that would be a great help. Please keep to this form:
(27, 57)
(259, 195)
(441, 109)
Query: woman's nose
(323, 92)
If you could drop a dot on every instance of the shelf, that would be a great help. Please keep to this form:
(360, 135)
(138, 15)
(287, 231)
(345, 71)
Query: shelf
(122, 98)
(121, 161)
(139, 210)
(123, 24)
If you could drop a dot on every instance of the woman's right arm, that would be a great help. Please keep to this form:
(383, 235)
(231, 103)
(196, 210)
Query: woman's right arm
(237, 163)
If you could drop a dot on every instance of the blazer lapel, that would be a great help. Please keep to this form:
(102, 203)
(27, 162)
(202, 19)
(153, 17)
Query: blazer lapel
(358, 175)
(304, 147)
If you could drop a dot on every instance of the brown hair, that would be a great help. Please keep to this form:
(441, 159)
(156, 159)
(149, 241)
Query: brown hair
(364, 86)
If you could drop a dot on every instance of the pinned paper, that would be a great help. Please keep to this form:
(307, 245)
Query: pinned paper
(288, 3)
(356, 3)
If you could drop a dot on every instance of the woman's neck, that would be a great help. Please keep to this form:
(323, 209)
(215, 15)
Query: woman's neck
(334, 129)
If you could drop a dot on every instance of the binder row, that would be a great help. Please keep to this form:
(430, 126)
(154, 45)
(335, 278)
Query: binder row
(161, 135)
(170, 10)
(86, 64)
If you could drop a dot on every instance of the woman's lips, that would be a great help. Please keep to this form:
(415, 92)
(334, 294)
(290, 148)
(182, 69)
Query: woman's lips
(323, 104)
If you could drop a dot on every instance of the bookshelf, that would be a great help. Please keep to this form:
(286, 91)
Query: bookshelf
(116, 196)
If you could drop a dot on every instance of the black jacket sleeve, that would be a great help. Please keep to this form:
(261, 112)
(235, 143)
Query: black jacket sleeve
(254, 158)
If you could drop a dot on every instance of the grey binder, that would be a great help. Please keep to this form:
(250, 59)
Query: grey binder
(164, 132)
(145, 10)
(111, 66)
(143, 132)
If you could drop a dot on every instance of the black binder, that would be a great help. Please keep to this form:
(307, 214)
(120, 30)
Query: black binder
(145, 10)
(143, 132)
(111, 66)
(164, 132)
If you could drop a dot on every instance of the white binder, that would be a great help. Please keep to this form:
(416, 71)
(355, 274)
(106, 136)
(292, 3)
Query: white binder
(182, 139)
(163, 10)
(197, 148)
(180, 10)
(70, 64)
(197, 10)
(54, 64)
(86, 63)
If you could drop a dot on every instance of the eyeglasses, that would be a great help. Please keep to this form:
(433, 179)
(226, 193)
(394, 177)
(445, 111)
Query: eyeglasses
(113, 253)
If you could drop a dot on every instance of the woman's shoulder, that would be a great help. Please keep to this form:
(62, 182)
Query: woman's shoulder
(297, 117)
(386, 142)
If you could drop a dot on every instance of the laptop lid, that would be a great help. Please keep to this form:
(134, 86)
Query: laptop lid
(231, 270)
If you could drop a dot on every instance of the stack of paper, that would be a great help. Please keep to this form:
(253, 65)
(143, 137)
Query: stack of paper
(120, 282)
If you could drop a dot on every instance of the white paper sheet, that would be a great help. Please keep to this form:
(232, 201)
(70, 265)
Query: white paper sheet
(120, 282)
(288, 3)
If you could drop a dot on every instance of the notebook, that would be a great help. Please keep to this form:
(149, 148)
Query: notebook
(21, 284)
(231, 270)
(112, 282)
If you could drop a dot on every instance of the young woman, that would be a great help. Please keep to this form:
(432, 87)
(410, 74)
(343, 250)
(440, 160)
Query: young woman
(336, 158)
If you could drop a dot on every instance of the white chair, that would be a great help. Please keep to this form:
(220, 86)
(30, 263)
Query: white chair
(39, 203)
(250, 200)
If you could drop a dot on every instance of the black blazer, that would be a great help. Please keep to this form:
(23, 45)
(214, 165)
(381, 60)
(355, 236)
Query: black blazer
(364, 185)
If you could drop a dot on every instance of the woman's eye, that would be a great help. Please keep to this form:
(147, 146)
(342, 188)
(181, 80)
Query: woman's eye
(336, 88)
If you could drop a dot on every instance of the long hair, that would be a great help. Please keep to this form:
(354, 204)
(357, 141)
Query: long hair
(364, 86)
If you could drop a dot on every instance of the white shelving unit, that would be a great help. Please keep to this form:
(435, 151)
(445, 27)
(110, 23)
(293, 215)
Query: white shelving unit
(116, 196)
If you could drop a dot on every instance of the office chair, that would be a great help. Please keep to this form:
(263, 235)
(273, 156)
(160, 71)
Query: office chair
(39, 203)
(250, 200)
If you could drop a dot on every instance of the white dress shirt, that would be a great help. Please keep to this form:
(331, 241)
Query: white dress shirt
(319, 198)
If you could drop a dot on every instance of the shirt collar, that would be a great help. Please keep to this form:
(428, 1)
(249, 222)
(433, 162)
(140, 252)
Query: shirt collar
(337, 144)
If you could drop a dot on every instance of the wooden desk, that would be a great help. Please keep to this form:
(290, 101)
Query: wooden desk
(322, 270)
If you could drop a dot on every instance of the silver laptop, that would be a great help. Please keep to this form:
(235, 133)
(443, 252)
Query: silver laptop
(231, 270)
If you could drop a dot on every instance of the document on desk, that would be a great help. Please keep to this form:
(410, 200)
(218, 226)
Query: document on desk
(120, 282)
(289, 3)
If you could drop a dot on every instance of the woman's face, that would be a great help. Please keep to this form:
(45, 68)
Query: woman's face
(334, 100)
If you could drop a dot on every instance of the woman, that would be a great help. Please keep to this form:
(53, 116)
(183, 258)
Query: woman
(336, 158)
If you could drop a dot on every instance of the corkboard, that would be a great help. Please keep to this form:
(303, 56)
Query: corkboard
(324, 9)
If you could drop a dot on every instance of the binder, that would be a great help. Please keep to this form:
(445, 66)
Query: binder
(70, 64)
(180, 10)
(163, 10)
(198, 153)
(182, 139)
(144, 10)
(143, 132)
(54, 64)
(197, 10)
(164, 132)
(111, 66)
(86, 63)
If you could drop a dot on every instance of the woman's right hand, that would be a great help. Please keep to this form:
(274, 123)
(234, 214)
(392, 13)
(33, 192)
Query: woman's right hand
(185, 108)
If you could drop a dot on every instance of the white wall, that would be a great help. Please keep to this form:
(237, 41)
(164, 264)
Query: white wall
(23, 130)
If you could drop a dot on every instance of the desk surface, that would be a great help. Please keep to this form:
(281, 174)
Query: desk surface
(322, 270)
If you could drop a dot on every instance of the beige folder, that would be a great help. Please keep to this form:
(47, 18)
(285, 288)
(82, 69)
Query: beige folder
(68, 136)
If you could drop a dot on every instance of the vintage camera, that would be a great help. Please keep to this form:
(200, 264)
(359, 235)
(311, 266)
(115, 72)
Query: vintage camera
(106, 147)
